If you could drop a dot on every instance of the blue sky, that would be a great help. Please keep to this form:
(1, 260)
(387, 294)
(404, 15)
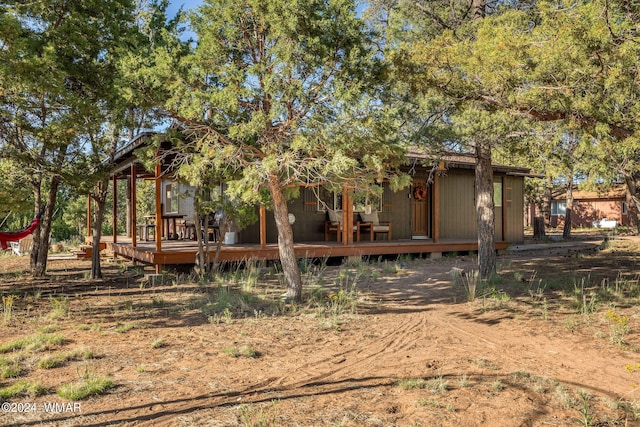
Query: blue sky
(174, 5)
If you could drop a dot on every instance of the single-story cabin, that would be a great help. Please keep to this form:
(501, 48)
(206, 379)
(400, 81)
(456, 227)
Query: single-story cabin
(430, 216)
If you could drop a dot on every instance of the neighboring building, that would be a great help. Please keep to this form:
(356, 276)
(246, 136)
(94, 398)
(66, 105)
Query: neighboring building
(591, 205)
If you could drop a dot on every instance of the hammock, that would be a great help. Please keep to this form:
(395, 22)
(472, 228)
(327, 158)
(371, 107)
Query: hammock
(6, 237)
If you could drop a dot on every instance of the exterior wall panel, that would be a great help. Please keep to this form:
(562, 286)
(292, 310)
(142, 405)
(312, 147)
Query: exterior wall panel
(514, 200)
(457, 206)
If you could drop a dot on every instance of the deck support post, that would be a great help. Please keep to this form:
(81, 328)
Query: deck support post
(127, 208)
(347, 216)
(158, 233)
(115, 209)
(263, 226)
(132, 206)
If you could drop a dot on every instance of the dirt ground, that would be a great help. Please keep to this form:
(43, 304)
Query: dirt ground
(553, 341)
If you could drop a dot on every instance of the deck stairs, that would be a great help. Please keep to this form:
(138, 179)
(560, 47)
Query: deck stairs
(85, 251)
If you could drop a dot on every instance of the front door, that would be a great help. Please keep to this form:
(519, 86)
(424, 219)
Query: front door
(419, 210)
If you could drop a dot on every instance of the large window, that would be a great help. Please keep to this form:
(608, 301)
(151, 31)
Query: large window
(558, 207)
(365, 202)
(368, 202)
(171, 198)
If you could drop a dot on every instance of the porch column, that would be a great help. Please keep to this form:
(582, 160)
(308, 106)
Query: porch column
(127, 210)
(115, 209)
(347, 216)
(132, 206)
(158, 233)
(263, 226)
(436, 207)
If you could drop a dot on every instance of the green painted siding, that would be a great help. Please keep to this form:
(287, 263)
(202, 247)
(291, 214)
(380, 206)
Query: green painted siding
(457, 206)
(457, 215)
(514, 222)
(399, 213)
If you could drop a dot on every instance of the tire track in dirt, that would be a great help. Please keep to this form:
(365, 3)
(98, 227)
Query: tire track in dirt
(348, 363)
(586, 368)
(329, 374)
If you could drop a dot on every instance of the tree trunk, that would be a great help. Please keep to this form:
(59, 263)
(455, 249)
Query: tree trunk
(40, 251)
(566, 231)
(288, 260)
(201, 255)
(485, 210)
(538, 228)
(546, 201)
(222, 230)
(633, 203)
(100, 197)
(96, 229)
(479, 9)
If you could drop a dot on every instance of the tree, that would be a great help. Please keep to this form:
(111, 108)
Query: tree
(472, 125)
(57, 76)
(274, 96)
(545, 61)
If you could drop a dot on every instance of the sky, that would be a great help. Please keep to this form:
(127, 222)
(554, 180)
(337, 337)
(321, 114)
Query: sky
(174, 5)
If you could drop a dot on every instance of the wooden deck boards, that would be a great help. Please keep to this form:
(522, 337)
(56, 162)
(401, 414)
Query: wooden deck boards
(184, 251)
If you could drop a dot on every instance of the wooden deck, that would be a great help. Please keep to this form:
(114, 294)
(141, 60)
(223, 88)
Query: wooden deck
(184, 251)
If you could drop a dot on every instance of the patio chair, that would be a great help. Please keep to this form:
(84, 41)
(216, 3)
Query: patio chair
(187, 230)
(334, 225)
(212, 230)
(23, 246)
(375, 226)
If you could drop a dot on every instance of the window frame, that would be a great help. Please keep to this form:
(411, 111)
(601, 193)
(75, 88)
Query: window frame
(336, 202)
(497, 194)
(558, 207)
(171, 197)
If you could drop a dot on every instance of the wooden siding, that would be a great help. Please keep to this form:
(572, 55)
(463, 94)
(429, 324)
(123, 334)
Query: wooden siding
(457, 206)
(399, 214)
(514, 206)
(308, 227)
(457, 216)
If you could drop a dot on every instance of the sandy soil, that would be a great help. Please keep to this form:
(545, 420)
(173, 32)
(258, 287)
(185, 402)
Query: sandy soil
(406, 349)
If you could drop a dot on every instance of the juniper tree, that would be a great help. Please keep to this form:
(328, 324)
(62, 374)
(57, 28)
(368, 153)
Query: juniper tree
(276, 94)
(56, 91)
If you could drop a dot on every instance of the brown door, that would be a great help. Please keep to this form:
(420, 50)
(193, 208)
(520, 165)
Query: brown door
(419, 210)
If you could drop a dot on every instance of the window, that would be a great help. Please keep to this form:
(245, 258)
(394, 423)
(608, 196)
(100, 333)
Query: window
(558, 207)
(171, 198)
(497, 194)
(370, 201)
(325, 199)
(624, 208)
